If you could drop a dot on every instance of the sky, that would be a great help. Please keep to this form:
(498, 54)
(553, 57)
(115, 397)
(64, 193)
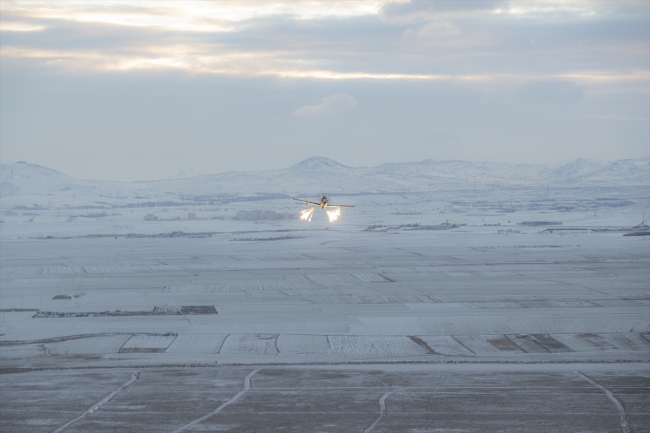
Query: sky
(134, 90)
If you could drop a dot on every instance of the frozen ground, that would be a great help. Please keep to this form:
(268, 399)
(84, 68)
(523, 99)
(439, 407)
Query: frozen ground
(107, 325)
(325, 400)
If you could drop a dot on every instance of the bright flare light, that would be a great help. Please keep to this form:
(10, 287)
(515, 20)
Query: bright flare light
(334, 214)
(306, 214)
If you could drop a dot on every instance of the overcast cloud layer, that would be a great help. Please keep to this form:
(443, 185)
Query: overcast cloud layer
(135, 90)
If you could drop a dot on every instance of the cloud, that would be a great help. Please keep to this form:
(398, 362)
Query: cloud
(414, 11)
(435, 30)
(198, 59)
(330, 105)
(10, 26)
(190, 15)
(308, 40)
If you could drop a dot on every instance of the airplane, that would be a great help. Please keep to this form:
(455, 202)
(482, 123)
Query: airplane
(324, 203)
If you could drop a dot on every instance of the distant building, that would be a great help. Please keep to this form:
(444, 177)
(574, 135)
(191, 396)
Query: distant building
(150, 217)
(191, 216)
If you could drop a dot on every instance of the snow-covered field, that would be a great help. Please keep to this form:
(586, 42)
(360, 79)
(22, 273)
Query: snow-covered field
(462, 306)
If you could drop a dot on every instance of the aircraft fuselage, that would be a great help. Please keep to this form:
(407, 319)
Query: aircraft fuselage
(323, 201)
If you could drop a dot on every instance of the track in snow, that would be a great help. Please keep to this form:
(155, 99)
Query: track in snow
(247, 386)
(100, 403)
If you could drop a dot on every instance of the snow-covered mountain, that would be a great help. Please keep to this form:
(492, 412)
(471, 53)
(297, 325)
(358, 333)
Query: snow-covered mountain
(29, 184)
(183, 174)
(318, 163)
(21, 181)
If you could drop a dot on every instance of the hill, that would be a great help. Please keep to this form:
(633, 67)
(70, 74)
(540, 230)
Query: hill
(24, 184)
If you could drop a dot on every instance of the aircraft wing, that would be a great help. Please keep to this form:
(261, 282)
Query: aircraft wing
(306, 201)
(340, 205)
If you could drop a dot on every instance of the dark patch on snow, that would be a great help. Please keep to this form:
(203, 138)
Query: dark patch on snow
(550, 343)
(504, 344)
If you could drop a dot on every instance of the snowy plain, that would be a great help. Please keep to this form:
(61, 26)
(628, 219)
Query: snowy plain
(433, 305)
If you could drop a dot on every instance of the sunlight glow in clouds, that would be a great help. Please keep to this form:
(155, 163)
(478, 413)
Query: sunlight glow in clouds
(196, 37)
(218, 16)
(189, 16)
(9, 26)
(198, 59)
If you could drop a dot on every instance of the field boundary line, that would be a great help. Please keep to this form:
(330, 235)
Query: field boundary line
(458, 341)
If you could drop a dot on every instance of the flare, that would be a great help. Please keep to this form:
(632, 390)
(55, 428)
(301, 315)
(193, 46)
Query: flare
(334, 214)
(306, 214)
